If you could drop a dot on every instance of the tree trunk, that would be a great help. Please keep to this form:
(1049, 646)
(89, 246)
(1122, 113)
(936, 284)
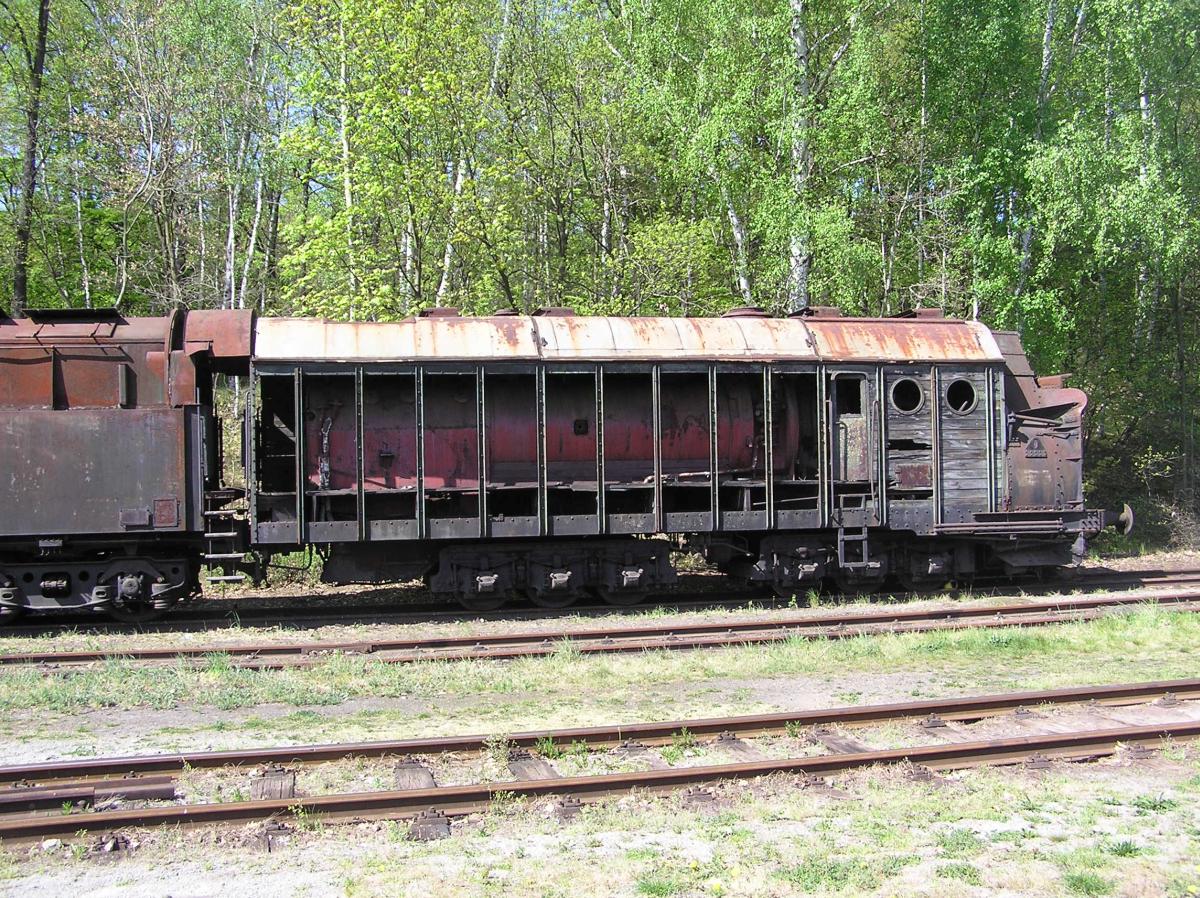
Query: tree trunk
(37, 66)
(921, 159)
(460, 174)
(740, 254)
(347, 187)
(800, 244)
(1043, 96)
(253, 241)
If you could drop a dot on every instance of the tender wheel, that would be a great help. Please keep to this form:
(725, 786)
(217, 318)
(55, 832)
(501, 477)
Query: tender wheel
(551, 599)
(619, 597)
(483, 601)
(909, 583)
(135, 612)
(851, 587)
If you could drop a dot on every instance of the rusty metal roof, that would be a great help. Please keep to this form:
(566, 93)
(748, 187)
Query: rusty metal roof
(583, 338)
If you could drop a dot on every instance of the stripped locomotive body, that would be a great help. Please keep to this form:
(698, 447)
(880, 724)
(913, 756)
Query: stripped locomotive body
(550, 456)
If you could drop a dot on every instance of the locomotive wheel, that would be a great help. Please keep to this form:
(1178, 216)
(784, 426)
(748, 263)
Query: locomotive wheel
(10, 613)
(551, 599)
(619, 597)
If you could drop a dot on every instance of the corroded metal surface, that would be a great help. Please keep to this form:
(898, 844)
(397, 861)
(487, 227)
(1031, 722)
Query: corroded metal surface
(89, 471)
(105, 361)
(903, 340)
(580, 338)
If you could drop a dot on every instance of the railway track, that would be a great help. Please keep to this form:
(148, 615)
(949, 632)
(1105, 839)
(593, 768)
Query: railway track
(430, 806)
(624, 639)
(219, 614)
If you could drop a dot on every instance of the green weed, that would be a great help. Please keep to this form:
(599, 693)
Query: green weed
(1088, 884)
(838, 874)
(1123, 848)
(1156, 803)
(660, 885)
(968, 873)
(959, 843)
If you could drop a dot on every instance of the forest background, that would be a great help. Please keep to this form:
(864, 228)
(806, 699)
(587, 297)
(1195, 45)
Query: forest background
(1033, 164)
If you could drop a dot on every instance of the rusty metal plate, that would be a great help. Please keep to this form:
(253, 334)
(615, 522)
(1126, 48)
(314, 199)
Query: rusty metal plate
(26, 378)
(914, 475)
(420, 338)
(88, 378)
(105, 461)
(576, 338)
(226, 334)
(909, 340)
(166, 512)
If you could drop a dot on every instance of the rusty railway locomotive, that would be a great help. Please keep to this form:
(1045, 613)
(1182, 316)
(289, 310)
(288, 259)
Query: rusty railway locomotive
(550, 456)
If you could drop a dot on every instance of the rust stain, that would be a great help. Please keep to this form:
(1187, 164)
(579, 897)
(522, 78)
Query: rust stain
(569, 337)
(905, 339)
(916, 475)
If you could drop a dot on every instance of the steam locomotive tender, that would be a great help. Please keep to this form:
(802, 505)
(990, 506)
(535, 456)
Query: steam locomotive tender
(551, 456)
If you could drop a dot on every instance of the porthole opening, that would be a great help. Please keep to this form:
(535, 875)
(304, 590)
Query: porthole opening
(960, 396)
(907, 395)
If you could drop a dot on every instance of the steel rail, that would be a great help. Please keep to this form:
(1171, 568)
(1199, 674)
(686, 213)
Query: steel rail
(959, 708)
(29, 798)
(211, 616)
(468, 799)
(730, 636)
(607, 640)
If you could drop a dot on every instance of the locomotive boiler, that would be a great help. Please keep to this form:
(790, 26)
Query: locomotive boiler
(548, 456)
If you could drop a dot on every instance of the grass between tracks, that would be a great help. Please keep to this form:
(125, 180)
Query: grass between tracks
(1146, 643)
(991, 832)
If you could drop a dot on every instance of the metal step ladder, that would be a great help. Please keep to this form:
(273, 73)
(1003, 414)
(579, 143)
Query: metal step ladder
(859, 556)
(223, 541)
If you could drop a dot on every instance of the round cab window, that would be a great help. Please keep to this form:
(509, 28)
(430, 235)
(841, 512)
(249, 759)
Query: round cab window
(907, 396)
(960, 396)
